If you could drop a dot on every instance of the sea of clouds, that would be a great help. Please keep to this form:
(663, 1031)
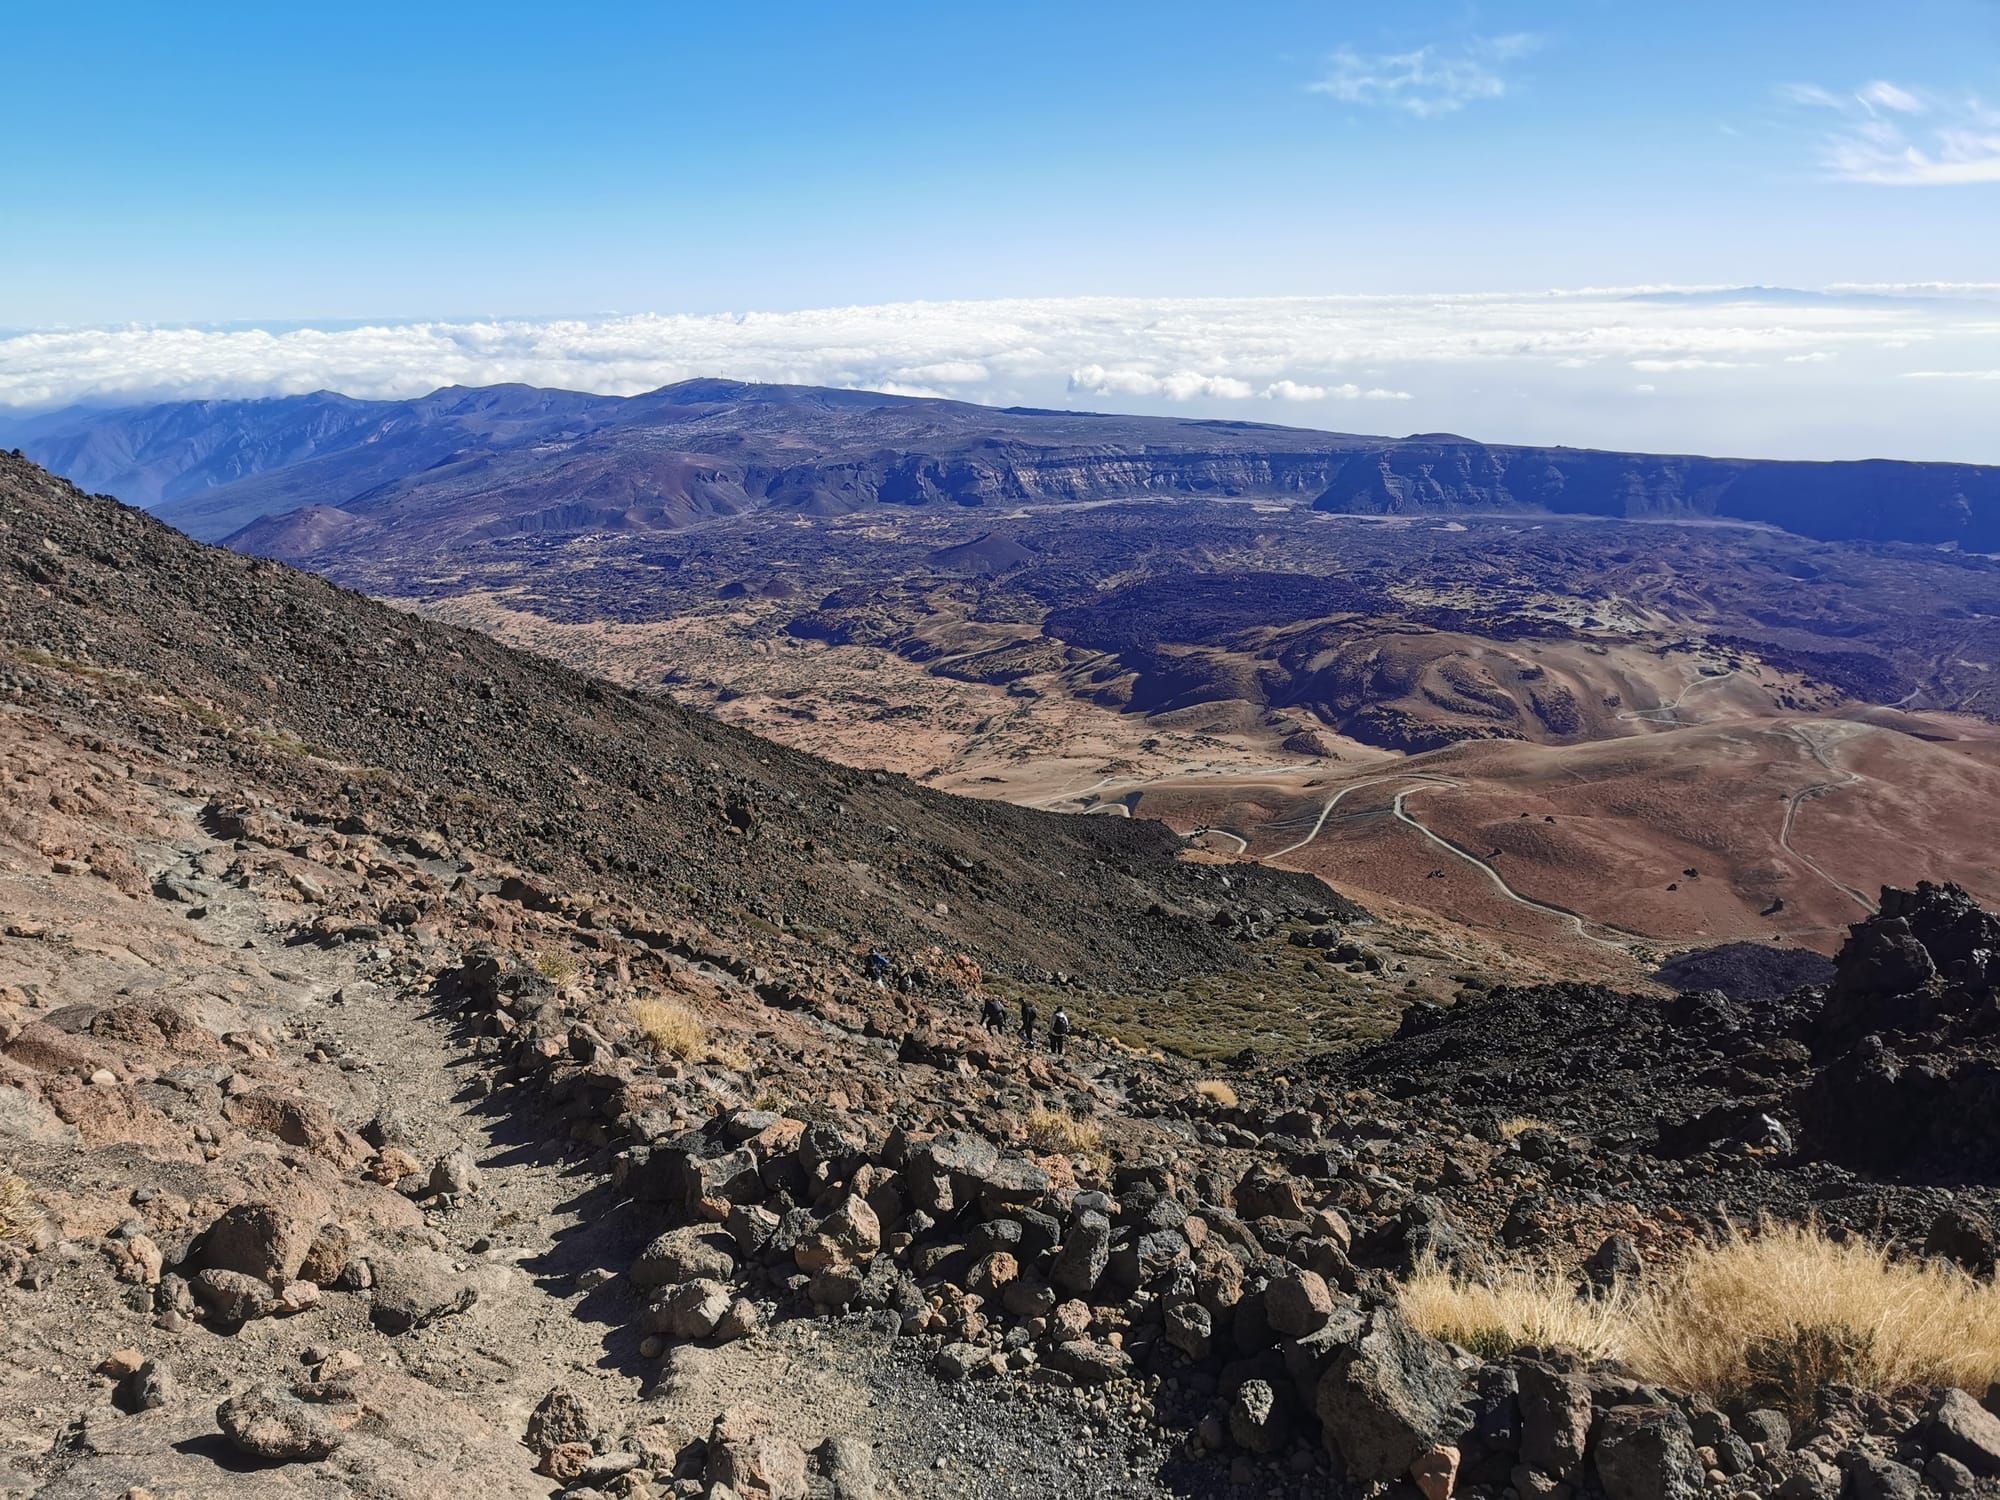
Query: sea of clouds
(1908, 371)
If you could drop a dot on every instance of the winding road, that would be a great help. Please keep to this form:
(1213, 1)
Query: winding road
(1410, 783)
(1334, 801)
(1582, 927)
(1397, 807)
(1674, 707)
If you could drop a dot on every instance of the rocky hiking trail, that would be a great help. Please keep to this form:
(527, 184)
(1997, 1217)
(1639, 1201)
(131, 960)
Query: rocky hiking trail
(532, 1231)
(362, 1033)
(171, 916)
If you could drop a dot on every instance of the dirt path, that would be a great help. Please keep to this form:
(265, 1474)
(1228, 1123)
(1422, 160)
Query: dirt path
(1562, 912)
(1332, 802)
(1821, 751)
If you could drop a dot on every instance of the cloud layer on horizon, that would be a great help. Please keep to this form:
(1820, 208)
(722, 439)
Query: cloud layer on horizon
(1780, 373)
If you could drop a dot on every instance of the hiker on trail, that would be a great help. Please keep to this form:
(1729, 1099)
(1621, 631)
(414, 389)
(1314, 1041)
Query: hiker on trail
(878, 968)
(995, 1015)
(1058, 1030)
(1030, 1014)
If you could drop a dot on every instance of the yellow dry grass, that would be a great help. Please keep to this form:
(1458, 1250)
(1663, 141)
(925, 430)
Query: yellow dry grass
(1771, 1316)
(1781, 1313)
(1051, 1130)
(560, 969)
(670, 1028)
(1217, 1092)
(17, 1211)
(1517, 1126)
(1515, 1308)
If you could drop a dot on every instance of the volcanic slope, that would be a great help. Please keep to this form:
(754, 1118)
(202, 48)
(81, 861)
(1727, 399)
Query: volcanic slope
(585, 786)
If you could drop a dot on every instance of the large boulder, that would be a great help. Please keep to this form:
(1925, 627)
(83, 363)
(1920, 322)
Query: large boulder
(1086, 1250)
(268, 1422)
(747, 1453)
(1555, 1420)
(232, 1298)
(416, 1287)
(1260, 1417)
(1968, 1238)
(1646, 1453)
(1389, 1399)
(561, 1417)
(686, 1254)
(851, 1232)
(1264, 1193)
(265, 1240)
(1298, 1302)
(1089, 1362)
(1957, 1425)
(947, 1173)
(686, 1172)
(691, 1310)
(847, 1464)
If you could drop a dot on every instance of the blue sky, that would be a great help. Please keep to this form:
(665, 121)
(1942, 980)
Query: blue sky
(947, 197)
(251, 161)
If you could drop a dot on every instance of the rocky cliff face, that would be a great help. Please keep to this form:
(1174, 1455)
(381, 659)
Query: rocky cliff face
(1877, 501)
(510, 458)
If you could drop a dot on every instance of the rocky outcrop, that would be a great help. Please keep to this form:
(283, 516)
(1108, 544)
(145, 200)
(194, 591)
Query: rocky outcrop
(1910, 1042)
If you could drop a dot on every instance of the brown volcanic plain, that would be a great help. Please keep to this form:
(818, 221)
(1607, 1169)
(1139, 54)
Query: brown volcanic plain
(1605, 704)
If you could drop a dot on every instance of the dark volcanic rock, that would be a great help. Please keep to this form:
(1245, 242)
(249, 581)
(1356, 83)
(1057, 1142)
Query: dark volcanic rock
(1389, 1399)
(1746, 971)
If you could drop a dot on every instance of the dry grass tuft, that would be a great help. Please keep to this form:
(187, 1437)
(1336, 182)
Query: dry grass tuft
(18, 1218)
(1216, 1092)
(670, 1028)
(1519, 1125)
(1515, 1308)
(1779, 1315)
(1771, 1317)
(1051, 1130)
(563, 970)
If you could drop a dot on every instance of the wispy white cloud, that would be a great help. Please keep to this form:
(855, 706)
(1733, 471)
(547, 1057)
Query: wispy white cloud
(1886, 95)
(1432, 80)
(1892, 136)
(1686, 362)
(1951, 375)
(1544, 366)
(1176, 385)
(1291, 390)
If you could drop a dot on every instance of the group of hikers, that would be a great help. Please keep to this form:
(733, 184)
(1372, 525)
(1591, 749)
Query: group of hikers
(994, 1013)
(995, 1017)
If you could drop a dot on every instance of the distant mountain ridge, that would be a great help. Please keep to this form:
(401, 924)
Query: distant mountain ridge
(1877, 500)
(304, 477)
